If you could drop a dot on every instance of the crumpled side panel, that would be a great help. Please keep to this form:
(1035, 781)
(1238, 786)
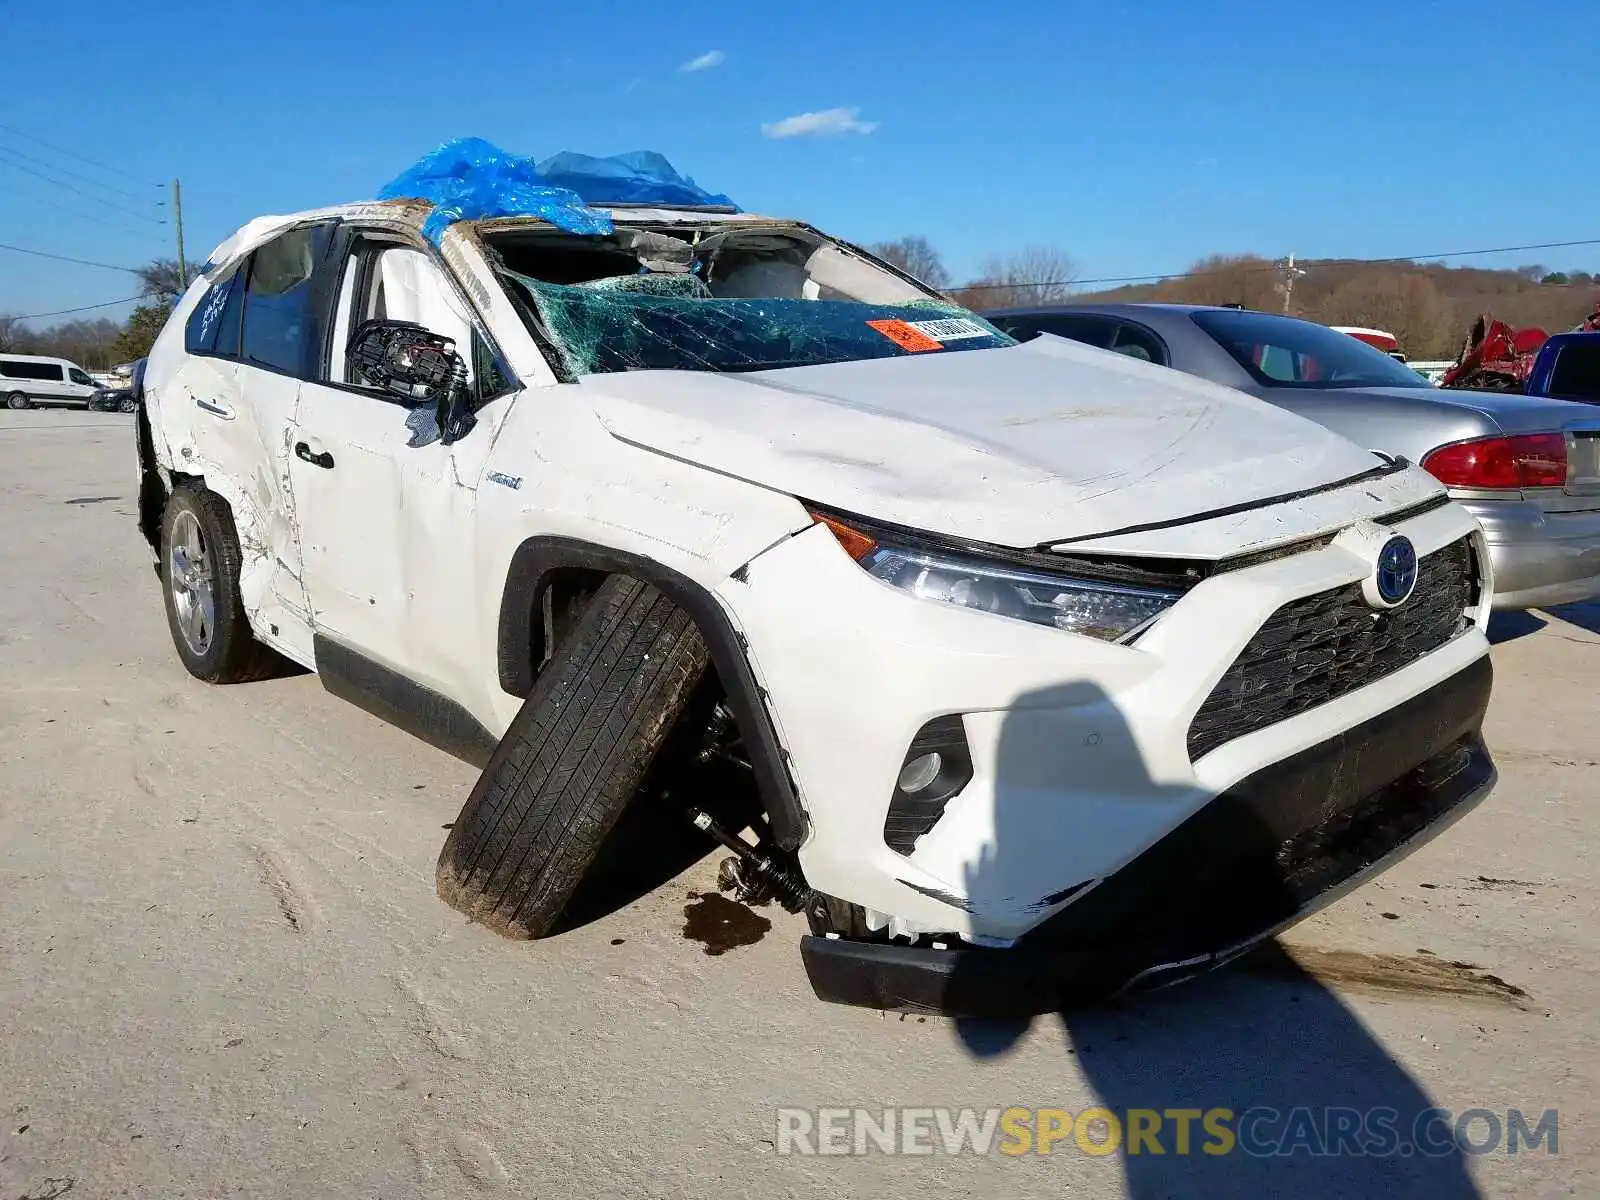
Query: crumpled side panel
(469, 179)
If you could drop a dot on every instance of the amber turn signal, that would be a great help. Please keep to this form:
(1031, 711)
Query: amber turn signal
(856, 544)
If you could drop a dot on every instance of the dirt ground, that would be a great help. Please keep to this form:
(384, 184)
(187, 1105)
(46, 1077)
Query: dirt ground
(223, 969)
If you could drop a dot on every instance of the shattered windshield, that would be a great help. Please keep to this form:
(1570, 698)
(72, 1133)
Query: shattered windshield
(742, 300)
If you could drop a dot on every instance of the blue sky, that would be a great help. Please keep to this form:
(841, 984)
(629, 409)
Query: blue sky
(1135, 137)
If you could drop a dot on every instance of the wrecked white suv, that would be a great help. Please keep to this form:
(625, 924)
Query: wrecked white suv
(1047, 668)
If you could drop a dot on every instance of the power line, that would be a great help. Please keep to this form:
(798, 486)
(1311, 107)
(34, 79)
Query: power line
(39, 162)
(80, 192)
(72, 154)
(1272, 266)
(83, 262)
(61, 312)
(87, 215)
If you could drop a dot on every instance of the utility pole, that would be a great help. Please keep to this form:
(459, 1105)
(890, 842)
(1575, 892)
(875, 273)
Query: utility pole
(178, 220)
(1288, 273)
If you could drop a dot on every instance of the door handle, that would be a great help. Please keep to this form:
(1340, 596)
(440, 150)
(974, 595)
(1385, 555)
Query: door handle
(304, 453)
(214, 408)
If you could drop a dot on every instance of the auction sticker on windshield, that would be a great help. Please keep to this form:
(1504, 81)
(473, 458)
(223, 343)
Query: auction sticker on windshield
(950, 329)
(906, 335)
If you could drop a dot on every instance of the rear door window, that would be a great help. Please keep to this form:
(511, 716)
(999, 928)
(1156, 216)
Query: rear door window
(204, 332)
(282, 314)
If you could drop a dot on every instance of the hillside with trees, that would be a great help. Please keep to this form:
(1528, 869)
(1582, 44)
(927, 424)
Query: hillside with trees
(1428, 306)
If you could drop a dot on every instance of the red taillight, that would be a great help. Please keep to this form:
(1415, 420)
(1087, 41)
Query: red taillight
(1527, 460)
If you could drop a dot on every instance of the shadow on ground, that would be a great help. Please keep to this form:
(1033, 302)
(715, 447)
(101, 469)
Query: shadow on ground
(649, 846)
(1508, 626)
(653, 841)
(1585, 615)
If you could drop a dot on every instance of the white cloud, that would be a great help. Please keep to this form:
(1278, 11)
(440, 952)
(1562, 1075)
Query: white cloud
(828, 122)
(711, 58)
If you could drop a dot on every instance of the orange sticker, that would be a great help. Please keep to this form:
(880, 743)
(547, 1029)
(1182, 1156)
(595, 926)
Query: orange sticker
(906, 336)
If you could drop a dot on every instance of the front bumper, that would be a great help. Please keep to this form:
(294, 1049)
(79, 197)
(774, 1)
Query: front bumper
(1268, 851)
(1540, 558)
(1079, 749)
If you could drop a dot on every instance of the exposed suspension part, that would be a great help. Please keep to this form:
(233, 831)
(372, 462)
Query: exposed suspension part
(754, 877)
(721, 741)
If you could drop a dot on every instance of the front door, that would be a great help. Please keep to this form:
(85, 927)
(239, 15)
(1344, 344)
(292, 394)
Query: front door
(384, 507)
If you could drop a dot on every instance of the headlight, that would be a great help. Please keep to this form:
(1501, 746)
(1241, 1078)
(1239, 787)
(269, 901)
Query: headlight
(1109, 611)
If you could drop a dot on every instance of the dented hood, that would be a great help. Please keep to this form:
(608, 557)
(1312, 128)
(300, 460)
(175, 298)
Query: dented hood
(1018, 446)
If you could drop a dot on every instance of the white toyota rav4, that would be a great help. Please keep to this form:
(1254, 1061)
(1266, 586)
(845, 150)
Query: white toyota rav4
(1047, 668)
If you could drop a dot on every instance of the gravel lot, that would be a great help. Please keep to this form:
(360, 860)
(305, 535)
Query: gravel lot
(223, 970)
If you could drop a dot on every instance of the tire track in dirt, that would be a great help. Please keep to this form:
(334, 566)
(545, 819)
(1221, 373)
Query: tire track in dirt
(292, 901)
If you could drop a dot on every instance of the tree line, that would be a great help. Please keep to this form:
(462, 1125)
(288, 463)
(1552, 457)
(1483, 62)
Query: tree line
(1429, 307)
(100, 343)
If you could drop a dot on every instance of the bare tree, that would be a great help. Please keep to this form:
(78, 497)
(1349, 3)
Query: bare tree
(1034, 275)
(10, 327)
(160, 278)
(915, 256)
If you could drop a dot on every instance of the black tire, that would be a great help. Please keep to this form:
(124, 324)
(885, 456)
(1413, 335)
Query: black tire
(18, 400)
(229, 653)
(573, 759)
(130, 404)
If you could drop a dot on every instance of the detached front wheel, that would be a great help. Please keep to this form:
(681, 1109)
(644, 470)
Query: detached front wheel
(572, 760)
(200, 578)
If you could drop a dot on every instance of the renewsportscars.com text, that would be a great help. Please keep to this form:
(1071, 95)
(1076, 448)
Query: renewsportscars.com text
(1259, 1132)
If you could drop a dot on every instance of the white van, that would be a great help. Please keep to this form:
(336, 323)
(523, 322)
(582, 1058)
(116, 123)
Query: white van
(30, 379)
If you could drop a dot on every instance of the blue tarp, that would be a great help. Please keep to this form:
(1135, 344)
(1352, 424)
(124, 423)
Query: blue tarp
(469, 179)
(640, 177)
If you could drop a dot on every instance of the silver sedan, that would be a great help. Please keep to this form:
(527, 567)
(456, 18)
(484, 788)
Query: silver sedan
(1527, 467)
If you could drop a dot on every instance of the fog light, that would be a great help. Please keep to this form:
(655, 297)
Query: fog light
(920, 772)
(936, 767)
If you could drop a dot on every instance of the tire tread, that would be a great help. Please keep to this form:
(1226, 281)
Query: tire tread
(572, 760)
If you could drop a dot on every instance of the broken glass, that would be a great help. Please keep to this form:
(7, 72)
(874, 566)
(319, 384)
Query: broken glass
(754, 297)
(634, 328)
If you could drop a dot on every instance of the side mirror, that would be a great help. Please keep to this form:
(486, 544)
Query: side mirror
(422, 367)
(404, 358)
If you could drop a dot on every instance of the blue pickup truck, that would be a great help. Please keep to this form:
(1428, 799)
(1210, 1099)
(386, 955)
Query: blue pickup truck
(1567, 368)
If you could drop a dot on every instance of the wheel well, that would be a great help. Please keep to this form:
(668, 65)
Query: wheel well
(153, 489)
(545, 586)
(561, 601)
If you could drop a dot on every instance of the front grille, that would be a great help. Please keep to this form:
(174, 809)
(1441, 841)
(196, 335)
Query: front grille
(1320, 647)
